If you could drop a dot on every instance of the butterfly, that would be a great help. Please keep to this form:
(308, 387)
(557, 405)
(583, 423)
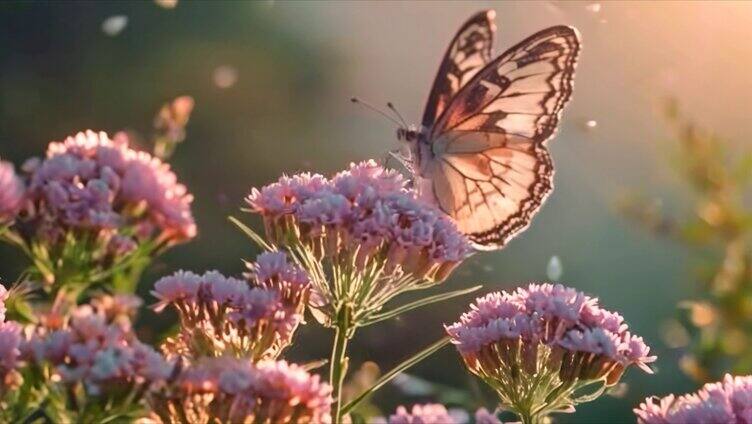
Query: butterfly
(480, 153)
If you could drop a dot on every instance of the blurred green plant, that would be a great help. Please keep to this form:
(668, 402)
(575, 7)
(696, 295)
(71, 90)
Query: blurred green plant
(716, 324)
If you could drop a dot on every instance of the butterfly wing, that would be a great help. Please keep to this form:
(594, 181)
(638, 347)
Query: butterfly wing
(469, 51)
(490, 169)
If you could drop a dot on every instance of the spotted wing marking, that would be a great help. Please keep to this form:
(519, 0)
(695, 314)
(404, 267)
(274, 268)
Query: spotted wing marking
(491, 171)
(469, 51)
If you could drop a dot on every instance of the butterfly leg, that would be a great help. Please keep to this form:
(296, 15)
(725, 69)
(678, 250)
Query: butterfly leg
(400, 158)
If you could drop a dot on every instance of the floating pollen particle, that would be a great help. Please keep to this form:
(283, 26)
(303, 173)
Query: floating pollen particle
(593, 7)
(225, 76)
(114, 25)
(554, 270)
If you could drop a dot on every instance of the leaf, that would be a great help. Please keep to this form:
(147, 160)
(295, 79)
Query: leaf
(416, 358)
(254, 236)
(600, 387)
(417, 304)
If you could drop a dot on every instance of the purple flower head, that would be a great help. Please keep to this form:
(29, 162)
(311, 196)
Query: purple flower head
(285, 196)
(430, 413)
(482, 416)
(227, 316)
(241, 391)
(222, 290)
(325, 209)
(92, 183)
(367, 217)
(11, 192)
(365, 177)
(545, 329)
(273, 266)
(558, 315)
(729, 401)
(4, 294)
(272, 270)
(253, 306)
(10, 343)
(180, 287)
(98, 352)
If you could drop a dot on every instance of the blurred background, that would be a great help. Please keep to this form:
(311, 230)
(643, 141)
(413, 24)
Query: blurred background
(272, 82)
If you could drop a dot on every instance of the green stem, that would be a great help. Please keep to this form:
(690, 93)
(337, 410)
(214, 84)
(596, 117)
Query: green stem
(404, 365)
(338, 364)
(530, 418)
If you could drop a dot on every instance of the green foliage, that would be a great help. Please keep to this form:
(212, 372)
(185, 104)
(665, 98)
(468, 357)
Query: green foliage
(717, 227)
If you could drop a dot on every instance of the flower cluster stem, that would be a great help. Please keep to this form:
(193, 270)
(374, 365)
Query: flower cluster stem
(530, 418)
(338, 368)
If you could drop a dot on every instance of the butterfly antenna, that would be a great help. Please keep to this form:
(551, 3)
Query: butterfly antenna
(379, 111)
(391, 107)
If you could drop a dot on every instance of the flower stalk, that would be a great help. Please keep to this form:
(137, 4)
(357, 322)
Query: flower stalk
(344, 331)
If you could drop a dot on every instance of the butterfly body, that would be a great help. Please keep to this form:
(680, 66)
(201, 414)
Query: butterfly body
(480, 152)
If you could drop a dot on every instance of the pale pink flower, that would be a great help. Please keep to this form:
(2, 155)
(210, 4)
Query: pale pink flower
(228, 316)
(430, 413)
(596, 340)
(117, 305)
(365, 216)
(285, 195)
(279, 382)
(89, 182)
(553, 314)
(729, 401)
(236, 390)
(367, 176)
(4, 294)
(180, 287)
(272, 270)
(223, 290)
(98, 353)
(11, 192)
(482, 416)
(505, 331)
(10, 341)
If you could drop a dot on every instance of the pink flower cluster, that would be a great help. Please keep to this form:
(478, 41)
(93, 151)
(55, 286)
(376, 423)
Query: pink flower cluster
(90, 182)
(363, 212)
(592, 342)
(104, 356)
(483, 416)
(430, 413)
(11, 192)
(224, 315)
(235, 390)
(435, 413)
(10, 342)
(273, 271)
(729, 401)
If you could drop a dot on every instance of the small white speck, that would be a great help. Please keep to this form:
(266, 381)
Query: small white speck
(225, 76)
(166, 4)
(593, 7)
(592, 123)
(114, 25)
(554, 270)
